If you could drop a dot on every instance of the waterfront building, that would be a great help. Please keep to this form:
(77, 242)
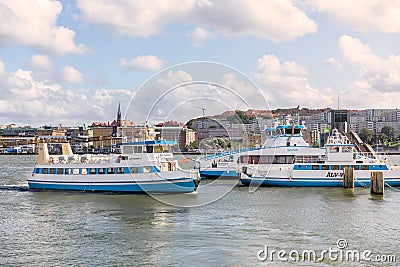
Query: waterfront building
(338, 119)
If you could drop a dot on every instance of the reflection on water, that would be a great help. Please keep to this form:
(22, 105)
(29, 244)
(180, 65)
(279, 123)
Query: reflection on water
(72, 228)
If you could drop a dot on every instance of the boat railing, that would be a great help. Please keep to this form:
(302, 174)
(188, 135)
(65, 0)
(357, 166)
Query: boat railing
(79, 159)
(309, 159)
(228, 153)
(369, 157)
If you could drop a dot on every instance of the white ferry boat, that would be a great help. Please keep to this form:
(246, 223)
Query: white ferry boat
(143, 167)
(325, 169)
(283, 143)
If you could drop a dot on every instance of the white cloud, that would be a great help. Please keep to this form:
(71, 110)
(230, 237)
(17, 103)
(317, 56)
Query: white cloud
(363, 15)
(71, 75)
(199, 35)
(149, 62)
(29, 101)
(334, 62)
(134, 18)
(42, 62)
(275, 19)
(286, 84)
(380, 74)
(176, 92)
(34, 23)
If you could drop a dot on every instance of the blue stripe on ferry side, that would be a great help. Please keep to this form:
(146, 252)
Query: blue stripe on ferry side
(216, 174)
(175, 186)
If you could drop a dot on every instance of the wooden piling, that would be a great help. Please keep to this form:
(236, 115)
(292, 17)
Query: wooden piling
(377, 183)
(348, 177)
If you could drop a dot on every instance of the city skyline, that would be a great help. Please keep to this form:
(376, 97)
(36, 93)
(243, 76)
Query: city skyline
(72, 62)
(301, 112)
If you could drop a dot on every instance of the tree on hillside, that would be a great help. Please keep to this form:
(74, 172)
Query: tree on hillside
(366, 135)
(241, 117)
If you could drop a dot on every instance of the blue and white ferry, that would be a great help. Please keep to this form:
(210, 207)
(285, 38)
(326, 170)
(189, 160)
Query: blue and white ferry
(283, 141)
(324, 170)
(143, 167)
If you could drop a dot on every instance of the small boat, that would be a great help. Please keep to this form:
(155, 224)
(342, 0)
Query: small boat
(142, 167)
(319, 171)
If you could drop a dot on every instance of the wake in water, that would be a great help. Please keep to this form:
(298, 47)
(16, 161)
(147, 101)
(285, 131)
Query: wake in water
(17, 187)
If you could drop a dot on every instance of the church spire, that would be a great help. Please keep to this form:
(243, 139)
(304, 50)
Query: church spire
(119, 120)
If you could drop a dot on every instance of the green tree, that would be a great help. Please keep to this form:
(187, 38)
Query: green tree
(366, 135)
(241, 117)
(383, 138)
(193, 145)
(389, 132)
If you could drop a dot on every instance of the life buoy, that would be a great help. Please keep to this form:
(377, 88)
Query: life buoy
(51, 159)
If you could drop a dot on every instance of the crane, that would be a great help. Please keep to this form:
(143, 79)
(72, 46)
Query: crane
(203, 109)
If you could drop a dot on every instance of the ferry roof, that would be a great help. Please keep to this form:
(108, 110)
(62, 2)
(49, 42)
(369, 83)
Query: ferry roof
(149, 142)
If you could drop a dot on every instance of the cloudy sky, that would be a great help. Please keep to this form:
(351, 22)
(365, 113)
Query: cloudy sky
(72, 62)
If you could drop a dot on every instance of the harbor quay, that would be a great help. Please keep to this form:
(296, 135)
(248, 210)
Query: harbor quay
(218, 133)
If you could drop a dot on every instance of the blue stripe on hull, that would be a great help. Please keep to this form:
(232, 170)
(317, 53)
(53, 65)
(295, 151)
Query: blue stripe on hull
(168, 187)
(217, 174)
(312, 182)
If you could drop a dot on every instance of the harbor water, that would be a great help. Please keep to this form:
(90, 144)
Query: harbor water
(221, 225)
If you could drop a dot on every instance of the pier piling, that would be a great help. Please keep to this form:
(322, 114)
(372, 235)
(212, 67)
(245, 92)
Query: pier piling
(377, 183)
(348, 178)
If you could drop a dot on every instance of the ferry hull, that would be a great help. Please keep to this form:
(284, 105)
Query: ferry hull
(214, 174)
(183, 185)
(311, 182)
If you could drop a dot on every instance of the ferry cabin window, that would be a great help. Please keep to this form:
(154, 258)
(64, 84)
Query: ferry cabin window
(45, 171)
(315, 167)
(134, 169)
(67, 171)
(120, 170)
(60, 170)
(92, 171)
(137, 149)
(75, 171)
(110, 171)
(334, 167)
(149, 149)
(84, 171)
(101, 171)
(158, 149)
(345, 166)
(267, 159)
(334, 149)
(146, 169)
(250, 159)
(53, 170)
(346, 149)
(127, 150)
(364, 167)
(325, 167)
